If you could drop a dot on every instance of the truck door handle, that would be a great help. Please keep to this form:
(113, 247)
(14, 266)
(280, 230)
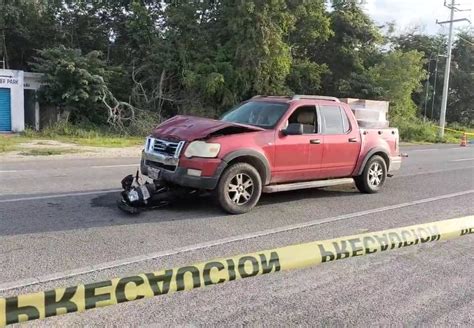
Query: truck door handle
(352, 139)
(315, 141)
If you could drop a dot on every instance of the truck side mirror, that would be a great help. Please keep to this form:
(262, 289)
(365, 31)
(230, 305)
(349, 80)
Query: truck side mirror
(293, 129)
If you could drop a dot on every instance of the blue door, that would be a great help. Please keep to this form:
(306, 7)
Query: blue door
(5, 110)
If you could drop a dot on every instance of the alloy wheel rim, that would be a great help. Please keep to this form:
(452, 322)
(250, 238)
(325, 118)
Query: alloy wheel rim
(240, 189)
(375, 174)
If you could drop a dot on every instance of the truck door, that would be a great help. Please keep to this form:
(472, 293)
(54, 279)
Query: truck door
(298, 157)
(341, 142)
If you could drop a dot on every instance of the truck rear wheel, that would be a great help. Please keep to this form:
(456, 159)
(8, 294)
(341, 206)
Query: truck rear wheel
(239, 188)
(373, 176)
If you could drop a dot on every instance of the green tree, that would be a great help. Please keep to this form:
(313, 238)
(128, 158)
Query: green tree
(262, 57)
(231, 50)
(353, 48)
(201, 57)
(399, 75)
(311, 28)
(24, 27)
(73, 82)
(432, 48)
(461, 95)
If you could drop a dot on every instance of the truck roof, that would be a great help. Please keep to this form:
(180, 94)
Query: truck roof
(288, 99)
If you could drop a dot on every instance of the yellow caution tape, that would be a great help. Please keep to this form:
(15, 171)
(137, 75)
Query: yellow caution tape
(89, 296)
(468, 133)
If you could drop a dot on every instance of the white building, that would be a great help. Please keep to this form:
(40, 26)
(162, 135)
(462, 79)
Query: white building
(18, 104)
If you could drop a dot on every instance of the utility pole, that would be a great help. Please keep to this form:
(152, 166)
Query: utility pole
(444, 100)
(434, 86)
(427, 87)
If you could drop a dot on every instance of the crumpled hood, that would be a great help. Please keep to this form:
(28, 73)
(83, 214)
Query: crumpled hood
(190, 128)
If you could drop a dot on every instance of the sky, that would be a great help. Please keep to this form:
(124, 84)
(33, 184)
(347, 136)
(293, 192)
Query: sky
(410, 13)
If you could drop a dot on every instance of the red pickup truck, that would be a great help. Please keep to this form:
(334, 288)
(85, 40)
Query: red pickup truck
(270, 144)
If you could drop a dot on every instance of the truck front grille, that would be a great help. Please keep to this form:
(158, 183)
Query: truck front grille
(169, 148)
(164, 147)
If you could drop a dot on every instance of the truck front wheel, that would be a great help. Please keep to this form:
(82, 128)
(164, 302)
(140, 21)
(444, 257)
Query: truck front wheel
(373, 176)
(239, 188)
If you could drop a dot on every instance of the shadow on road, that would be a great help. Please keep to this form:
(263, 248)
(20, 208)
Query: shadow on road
(202, 205)
(83, 212)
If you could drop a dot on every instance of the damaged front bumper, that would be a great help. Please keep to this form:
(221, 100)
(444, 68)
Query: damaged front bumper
(193, 173)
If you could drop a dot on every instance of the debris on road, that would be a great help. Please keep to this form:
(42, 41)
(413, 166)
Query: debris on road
(137, 197)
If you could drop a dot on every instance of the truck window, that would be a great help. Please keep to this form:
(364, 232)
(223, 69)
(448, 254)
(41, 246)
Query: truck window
(334, 120)
(262, 114)
(305, 115)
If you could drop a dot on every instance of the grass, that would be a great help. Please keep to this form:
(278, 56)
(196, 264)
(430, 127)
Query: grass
(90, 136)
(68, 133)
(48, 151)
(110, 142)
(417, 132)
(11, 142)
(455, 137)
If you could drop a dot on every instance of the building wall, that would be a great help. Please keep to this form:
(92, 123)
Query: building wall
(14, 80)
(17, 82)
(32, 81)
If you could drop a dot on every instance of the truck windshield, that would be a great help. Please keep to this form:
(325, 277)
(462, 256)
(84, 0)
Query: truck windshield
(262, 114)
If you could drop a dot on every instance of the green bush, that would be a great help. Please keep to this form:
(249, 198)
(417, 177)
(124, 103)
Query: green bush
(86, 130)
(64, 129)
(415, 130)
(460, 127)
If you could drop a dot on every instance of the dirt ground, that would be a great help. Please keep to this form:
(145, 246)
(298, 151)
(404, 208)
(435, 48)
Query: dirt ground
(48, 149)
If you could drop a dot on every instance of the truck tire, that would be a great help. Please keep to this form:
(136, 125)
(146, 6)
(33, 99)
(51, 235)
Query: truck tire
(239, 188)
(373, 177)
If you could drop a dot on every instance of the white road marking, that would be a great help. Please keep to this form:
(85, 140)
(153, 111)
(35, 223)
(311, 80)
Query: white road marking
(422, 150)
(433, 149)
(462, 160)
(396, 175)
(100, 192)
(15, 171)
(74, 194)
(190, 248)
(111, 166)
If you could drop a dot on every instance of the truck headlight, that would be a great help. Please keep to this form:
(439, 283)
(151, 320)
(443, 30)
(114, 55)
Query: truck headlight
(202, 149)
(148, 144)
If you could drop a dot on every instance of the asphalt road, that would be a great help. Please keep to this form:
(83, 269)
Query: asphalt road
(59, 225)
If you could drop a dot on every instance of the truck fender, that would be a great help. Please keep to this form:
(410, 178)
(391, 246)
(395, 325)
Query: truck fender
(263, 166)
(370, 153)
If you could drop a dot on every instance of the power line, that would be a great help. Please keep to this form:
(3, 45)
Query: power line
(465, 40)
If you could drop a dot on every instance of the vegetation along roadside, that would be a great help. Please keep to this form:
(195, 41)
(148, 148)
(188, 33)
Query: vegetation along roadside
(117, 68)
